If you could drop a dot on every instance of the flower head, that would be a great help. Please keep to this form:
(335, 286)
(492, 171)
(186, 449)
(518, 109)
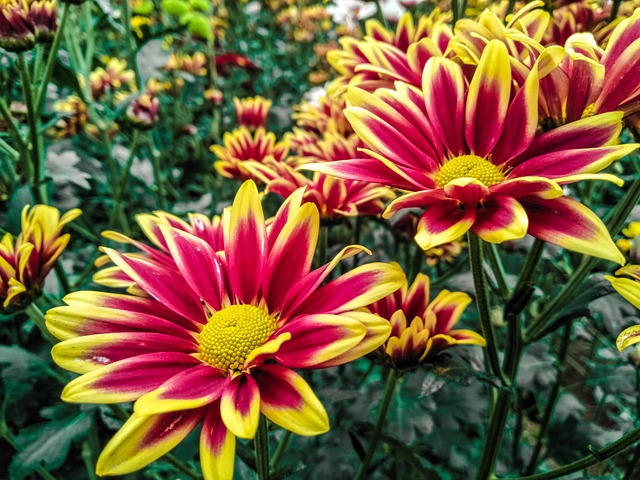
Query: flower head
(25, 22)
(471, 155)
(213, 336)
(252, 112)
(420, 328)
(143, 111)
(26, 261)
(242, 149)
(110, 78)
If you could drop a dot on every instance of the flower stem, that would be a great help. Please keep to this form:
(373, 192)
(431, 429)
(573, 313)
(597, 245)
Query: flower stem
(482, 304)
(51, 60)
(261, 443)
(596, 456)
(181, 466)
(553, 397)
(544, 321)
(37, 316)
(282, 447)
(389, 389)
(33, 118)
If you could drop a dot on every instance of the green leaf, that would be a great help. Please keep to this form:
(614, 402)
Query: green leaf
(199, 25)
(144, 8)
(175, 7)
(47, 444)
(18, 367)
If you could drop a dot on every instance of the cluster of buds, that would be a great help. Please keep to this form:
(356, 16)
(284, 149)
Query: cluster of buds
(23, 23)
(25, 262)
(143, 111)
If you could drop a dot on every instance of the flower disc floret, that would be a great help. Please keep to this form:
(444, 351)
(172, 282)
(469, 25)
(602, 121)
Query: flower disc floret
(470, 166)
(233, 333)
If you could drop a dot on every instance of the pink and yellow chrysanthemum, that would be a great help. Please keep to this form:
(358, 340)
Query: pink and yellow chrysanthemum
(213, 338)
(242, 149)
(469, 153)
(420, 328)
(629, 288)
(385, 56)
(592, 80)
(326, 116)
(25, 263)
(577, 17)
(334, 197)
(252, 112)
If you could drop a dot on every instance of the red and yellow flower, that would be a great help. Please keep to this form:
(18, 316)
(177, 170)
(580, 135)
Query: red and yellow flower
(629, 288)
(469, 153)
(242, 149)
(25, 22)
(421, 328)
(25, 262)
(213, 337)
(252, 112)
(385, 56)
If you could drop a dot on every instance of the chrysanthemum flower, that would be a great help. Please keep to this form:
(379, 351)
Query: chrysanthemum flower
(216, 336)
(25, 22)
(385, 56)
(577, 17)
(241, 149)
(629, 288)
(143, 111)
(324, 116)
(252, 112)
(334, 197)
(195, 64)
(114, 76)
(420, 328)
(25, 262)
(470, 154)
(592, 80)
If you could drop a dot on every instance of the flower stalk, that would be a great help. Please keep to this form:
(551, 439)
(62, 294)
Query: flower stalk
(389, 389)
(261, 443)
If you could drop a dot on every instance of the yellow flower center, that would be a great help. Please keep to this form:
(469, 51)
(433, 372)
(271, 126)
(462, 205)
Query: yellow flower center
(233, 333)
(470, 166)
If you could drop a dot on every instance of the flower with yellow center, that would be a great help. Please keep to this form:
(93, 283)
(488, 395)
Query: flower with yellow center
(211, 330)
(469, 154)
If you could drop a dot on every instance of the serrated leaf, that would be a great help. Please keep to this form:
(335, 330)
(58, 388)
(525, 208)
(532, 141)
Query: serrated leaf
(47, 445)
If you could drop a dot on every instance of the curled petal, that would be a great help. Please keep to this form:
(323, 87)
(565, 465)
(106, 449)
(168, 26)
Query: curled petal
(628, 337)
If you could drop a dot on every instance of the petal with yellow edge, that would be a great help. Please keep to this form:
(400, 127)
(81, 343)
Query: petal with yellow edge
(145, 438)
(217, 446)
(240, 406)
(288, 401)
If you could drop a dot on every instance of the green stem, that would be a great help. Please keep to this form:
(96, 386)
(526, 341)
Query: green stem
(10, 439)
(53, 55)
(261, 443)
(37, 316)
(482, 304)
(158, 178)
(553, 397)
(628, 474)
(181, 466)
(493, 435)
(131, 48)
(389, 389)
(282, 447)
(491, 250)
(62, 278)
(537, 328)
(595, 457)
(118, 211)
(33, 119)
(13, 129)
